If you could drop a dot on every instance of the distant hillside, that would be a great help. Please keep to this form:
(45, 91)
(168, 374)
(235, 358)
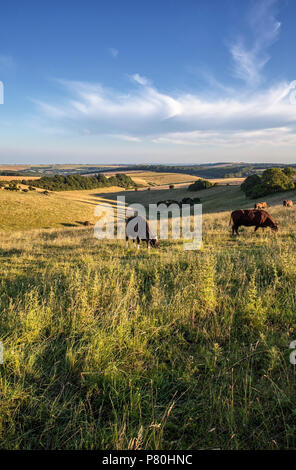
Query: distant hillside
(226, 170)
(17, 173)
(208, 170)
(51, 170)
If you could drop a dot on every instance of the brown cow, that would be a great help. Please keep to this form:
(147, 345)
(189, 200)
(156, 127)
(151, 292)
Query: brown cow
(252, 218)
(288, 203)
(87, 223)
(260, 205)
(137, 229)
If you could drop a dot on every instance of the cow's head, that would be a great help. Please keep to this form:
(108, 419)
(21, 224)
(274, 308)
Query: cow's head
(154, 242)
(275, 227)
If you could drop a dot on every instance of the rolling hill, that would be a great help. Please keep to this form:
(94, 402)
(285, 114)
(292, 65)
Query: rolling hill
(115, 348)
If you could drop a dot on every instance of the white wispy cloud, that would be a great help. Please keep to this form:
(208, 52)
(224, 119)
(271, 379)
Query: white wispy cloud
(281, 136)
(189, 119)
(140, 79)
(113, 52)
(6, 62)
(127, 138)
(237, 118)
(250, 61)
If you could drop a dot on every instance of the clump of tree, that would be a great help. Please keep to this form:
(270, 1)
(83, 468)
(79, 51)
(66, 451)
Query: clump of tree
(240, 172)
(185, 200)
(12, 186)
(273, 180)
(79, 182)
(199, 185)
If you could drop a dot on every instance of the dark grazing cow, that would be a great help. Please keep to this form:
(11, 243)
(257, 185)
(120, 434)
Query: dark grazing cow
(137, 229)
(87, 223)
(260, 205)
(252, 218)
(288, 203)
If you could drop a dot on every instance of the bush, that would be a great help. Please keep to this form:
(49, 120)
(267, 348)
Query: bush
(13, 186)
(289, 171)
(187, 200)
(172, 186)
(249, 183)
(168, 202)
(199, 185)
(273, 180)
(276, 180)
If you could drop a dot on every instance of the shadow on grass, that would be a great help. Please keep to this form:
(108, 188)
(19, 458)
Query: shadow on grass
(68, 225)
(13, 251)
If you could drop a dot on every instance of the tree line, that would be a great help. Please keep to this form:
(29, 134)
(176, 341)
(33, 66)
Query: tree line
(76, 182)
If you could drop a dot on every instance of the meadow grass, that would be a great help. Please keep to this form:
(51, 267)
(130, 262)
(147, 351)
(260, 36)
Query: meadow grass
(113, 348)
(34, 210)
(216, 199)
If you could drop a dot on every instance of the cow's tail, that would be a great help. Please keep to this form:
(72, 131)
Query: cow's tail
(230, 221)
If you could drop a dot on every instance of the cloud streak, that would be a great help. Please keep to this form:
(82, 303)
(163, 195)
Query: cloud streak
(250, 61)
(113, 52)
(146, 113)
(6, 62)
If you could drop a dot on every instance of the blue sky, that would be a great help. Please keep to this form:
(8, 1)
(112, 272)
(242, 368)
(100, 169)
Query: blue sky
(137, 81)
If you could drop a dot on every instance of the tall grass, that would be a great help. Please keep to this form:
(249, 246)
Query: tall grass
(113, 348)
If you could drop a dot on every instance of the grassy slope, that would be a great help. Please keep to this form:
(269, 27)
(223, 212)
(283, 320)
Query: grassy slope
(110, 348)
(215, 199)
(33, 210)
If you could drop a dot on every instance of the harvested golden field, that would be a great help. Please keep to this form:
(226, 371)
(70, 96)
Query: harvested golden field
(18, 178)
(153, 178)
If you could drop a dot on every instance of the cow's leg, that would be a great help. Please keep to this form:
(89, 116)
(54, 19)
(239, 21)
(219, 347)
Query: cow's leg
(138, 243)
(256, 228)
(235, 230)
